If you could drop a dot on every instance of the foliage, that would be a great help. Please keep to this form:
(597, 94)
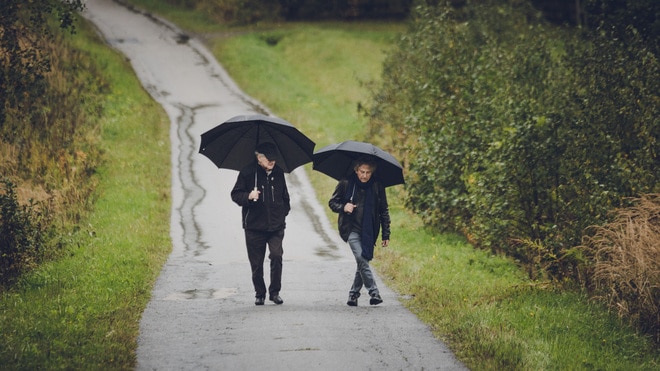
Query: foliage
(521, 135)
(24, 230)
(239, 11)
(24, 30)
(48, 142)
(49, 134)
(621, 16)
(354, 9)
(82, 310)
(625, 259)
(252, 11)
(516, 133)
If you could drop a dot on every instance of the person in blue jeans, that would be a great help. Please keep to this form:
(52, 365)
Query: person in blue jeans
(262, 193)
(361, 202)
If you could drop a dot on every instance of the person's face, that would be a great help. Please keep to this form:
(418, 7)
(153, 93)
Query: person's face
(364, 172)
(265, 163)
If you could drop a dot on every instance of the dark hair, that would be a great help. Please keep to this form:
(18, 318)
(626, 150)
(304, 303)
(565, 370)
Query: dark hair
(365, 160)
(267, 149)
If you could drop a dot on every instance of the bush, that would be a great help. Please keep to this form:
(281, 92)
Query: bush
(49, 143)
(25, 27)
(252, 11)
(625, 261)
(24, 231)
(517, 133)
(234, 11)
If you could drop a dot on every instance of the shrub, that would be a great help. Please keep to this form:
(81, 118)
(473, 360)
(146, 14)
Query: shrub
(25, 26)
(235, 11)
(48, 142)
(517, 133)
(252, 11)
(24, 231)
(625, 261)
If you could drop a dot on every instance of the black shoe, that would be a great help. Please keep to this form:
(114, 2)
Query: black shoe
(276, 299)
(352, 301)
(375, 299)
(259, 301)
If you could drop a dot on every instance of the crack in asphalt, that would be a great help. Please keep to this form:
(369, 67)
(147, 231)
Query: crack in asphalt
(194, 194)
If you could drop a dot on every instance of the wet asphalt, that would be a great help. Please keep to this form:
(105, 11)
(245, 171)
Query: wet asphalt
(201, 315)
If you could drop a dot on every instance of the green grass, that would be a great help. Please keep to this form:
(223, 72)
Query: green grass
(319, 67)
(82, 311)
(493, 318)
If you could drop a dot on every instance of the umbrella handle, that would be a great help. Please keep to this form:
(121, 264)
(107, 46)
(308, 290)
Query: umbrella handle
(255, 180)
(257, 190)
(351, 199)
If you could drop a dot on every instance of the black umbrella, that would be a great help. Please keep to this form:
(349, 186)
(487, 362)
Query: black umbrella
(337, 160)
(231, 144)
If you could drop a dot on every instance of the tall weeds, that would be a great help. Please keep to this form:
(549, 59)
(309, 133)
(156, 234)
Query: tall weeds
(626, 263)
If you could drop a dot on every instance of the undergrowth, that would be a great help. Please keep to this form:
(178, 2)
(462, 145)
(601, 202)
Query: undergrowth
(625, 263)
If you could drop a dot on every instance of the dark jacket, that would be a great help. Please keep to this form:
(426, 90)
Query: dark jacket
(270, 211)
(345, 221)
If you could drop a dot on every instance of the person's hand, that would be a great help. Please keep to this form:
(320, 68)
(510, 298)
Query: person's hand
(348, 208)
(385, 243)
(254, 195)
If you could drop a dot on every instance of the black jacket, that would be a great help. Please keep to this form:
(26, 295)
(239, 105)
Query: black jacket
(345, 221)
(270, 211)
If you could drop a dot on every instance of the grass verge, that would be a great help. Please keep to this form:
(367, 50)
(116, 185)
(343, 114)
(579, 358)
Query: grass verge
(82, 311)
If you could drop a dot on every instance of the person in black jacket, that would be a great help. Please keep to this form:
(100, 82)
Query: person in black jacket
(262, 193)
(361, 202)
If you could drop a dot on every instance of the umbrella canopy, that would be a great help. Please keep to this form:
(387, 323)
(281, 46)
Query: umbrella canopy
(336, 160)
(231, 144)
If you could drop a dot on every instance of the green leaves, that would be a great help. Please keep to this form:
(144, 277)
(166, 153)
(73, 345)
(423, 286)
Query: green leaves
(24, 27)
(23, 230)
(519, 130)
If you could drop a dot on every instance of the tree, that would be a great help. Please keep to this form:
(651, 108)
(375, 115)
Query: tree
(24, 25)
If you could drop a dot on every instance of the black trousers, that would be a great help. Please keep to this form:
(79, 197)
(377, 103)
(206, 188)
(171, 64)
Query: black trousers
(256, 242)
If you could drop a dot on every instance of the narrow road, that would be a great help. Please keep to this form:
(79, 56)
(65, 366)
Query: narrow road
(202, 313)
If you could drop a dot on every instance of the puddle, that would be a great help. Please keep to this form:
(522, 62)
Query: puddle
(206, 294)
(181, 38)
(130, 40)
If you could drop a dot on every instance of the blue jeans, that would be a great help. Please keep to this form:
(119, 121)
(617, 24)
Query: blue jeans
(363, 275)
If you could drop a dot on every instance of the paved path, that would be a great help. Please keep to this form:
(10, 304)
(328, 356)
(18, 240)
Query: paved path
(202, 313)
